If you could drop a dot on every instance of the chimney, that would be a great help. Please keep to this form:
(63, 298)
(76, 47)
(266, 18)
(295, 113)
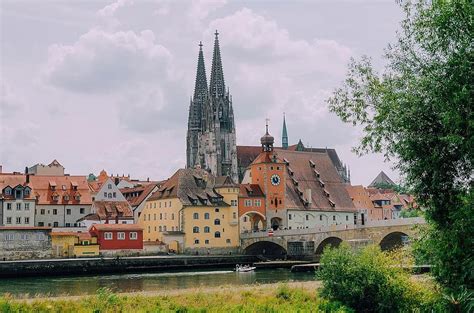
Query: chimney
(308, 196)
(0, 169)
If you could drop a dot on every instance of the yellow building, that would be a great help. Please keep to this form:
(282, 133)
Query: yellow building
(74, 244)
(193, 212)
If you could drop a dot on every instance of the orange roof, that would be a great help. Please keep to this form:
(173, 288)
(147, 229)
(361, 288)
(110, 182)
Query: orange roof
(136, 195)
(66, 195)
(111, 209)
(360, 197)
(105, 227)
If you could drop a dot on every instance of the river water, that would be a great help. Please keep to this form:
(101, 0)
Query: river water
(83, 285)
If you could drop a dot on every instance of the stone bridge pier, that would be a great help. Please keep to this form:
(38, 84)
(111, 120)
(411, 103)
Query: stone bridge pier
(310, 243)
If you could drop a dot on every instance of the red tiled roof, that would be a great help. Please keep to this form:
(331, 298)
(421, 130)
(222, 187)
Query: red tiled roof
(41, 186)
(111, 227)
(360, 197)
(250, 190)
(142, 191)
(112, 209)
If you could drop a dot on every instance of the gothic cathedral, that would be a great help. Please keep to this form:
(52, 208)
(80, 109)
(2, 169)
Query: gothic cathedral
(210, 142)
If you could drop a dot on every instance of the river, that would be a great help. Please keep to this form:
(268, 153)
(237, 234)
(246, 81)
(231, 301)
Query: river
(83, 285)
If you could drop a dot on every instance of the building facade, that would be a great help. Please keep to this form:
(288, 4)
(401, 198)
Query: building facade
(302, 189)
(25, 243)
(17, 202)
(118, 236)
(61, 200)
(193, 212)
(211, 140)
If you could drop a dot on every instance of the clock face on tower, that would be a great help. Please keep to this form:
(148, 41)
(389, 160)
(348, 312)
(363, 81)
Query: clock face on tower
(275, 179)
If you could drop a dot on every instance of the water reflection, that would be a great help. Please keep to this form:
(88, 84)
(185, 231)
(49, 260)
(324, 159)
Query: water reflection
(81, 285)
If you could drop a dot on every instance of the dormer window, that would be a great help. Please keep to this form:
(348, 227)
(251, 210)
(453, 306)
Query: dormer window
(63, 187)
(311, 163)
(27, 191)
(8, 191)
(52, 185)
(77, 197)
(66, 197)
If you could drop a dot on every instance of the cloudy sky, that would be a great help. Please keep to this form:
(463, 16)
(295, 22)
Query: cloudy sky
(106, 84)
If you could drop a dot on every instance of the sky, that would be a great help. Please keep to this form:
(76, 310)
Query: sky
(106, 84)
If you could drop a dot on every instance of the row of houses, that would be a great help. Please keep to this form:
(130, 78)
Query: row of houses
(191, 212)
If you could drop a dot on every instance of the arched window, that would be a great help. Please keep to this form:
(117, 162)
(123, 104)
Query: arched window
(196, 216)
(207, 229)
(160, 228)
(206, 216)
(217, 221)
(217, 234)
(195, 230)
(110, 195)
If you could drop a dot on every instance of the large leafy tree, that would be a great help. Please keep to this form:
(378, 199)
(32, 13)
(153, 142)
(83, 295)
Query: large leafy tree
(420, 111)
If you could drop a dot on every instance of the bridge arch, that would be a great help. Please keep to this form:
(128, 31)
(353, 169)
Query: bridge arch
(393, 240)
(329, 241)
(253, 221)
(268, 249)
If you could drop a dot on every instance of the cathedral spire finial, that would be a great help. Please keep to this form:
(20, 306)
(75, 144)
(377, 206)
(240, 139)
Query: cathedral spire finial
(217, 84)
(200, 45)
(216, 33)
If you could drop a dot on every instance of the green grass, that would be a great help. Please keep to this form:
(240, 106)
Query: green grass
(266, 298)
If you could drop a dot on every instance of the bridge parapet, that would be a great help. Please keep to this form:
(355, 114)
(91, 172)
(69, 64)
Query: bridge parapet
(334, 228)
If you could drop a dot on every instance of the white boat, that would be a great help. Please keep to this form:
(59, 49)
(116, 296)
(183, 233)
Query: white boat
(244, 268)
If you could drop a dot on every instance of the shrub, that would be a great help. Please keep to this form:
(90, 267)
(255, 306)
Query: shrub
(369, 280)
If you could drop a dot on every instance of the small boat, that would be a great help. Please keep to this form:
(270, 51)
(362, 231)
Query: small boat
(244, 268)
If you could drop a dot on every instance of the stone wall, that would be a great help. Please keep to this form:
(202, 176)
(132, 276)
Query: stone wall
(18, 244)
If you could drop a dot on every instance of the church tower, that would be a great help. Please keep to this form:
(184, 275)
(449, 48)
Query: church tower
(211, 141)
(284, 135)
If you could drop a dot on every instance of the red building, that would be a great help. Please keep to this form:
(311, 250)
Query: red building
(118, 236)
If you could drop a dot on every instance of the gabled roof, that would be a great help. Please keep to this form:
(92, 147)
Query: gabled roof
(112, 209)
(381, 178)
(42, 188)
(191, 187)
(360, 197)
(225, 181)
(136, 195)
(250, 190)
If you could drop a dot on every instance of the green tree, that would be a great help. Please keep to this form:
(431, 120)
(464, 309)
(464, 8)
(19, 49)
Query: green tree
(420, 111)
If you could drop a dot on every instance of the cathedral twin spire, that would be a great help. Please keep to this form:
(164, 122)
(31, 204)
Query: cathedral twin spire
(211, 140)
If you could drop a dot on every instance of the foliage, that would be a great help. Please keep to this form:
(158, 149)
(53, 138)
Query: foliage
(284, 298)
(411, 213)
(369, 280)
(420, 111)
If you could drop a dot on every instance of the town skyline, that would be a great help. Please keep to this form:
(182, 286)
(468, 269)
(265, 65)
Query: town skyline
(107, 66)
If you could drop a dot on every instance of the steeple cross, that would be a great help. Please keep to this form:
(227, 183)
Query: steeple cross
(200, 44)
(216, 33)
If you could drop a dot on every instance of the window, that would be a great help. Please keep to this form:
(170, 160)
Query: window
(133, 235)
(18, 206)
(8, 191)
(217, 221)
(55, 224)
(161, 216)
(9, 206)
(55, 212)
(121, 236)
(154, 205)
(233, 202)
(82, 210)
(196, 216)
(347, 217)
(165, 204)
(164, 228)
(9, 220)
(110, 195)
(307, 217)
(216, 210)
(109, 186)
(68, 224)
(334, 217)
(18, 220)
(289, 217)
(170, 204)
(257, 202)
(41, 224)
(320, 217)
(217, 234)
(68, 211)
(234, 214)
(9, 237)
(206, 241)
(227, 240)
(27, 192)
(108, 236)
(27, 206)
(105, 194)
(114, 194)
(195, 230)
(207, 229)
(172, 216)
(196, 241)
(144, 217)
(248, 202)
(160, 228)
(206, 216)
(245, 219)
(42, 211)
(27, 220)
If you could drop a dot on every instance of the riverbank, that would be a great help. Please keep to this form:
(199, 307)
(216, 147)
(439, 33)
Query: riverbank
(87, 266)
(290, 297)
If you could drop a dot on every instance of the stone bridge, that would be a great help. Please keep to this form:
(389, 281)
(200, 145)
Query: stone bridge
(309, 243)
